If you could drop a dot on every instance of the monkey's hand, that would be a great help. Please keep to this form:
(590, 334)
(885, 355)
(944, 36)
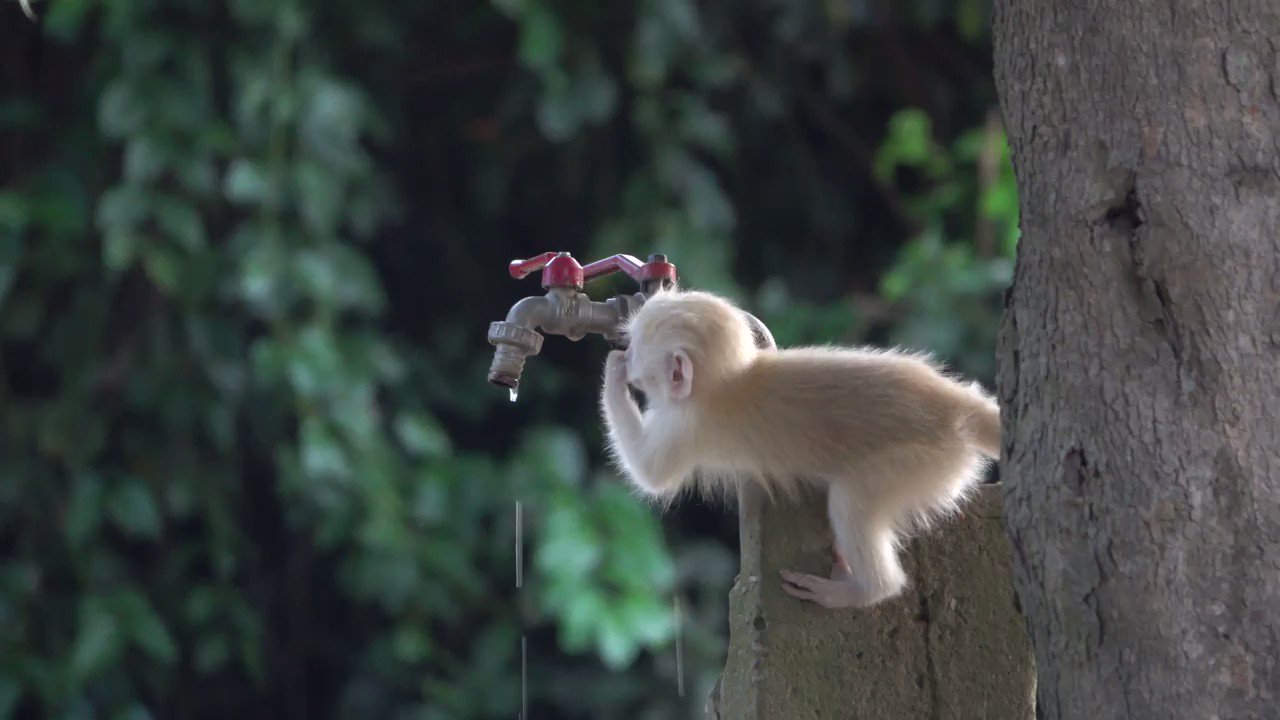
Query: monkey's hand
(650, 456)
(615, 380)
(620, 410)
(615, 366)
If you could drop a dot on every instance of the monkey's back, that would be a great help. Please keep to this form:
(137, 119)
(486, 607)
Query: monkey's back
(820, 409)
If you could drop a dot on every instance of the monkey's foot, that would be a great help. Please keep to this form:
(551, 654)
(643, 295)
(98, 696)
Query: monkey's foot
(831, 594)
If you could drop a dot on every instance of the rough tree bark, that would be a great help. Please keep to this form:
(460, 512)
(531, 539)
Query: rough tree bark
(1140, 353)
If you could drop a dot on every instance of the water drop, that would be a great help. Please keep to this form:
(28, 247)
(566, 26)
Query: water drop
(675, 602)
(514, 393)
(519, 545)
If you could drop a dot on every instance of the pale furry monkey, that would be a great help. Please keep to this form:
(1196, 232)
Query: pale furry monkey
(894, 439)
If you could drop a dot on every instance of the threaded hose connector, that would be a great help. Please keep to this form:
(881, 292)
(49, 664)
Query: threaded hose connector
(512, 345)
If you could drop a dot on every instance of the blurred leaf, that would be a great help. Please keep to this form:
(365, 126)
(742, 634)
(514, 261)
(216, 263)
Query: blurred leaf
(681, 17)
(909, 142)
(411, 644)
(703, 127)
(119, 249)
(421, 435)
(245, 183)
(555, 455)
(212, 653)
(338, 276)
(322, 454)
(540, 37)
(972, 19)
(595, 92)
(99, 640)
(580, 615)
(569, 546)
(84, 510)
(143, 161)
(430, 501)
(164, 268)
(649, 622)
(320, 195)
(141, 621)
(510, 8)
(558, 113)
(120, 111)
(263, 269)
(332, 120)
(315, 365)
(135, 712)
(180, 221)
(10, 255)
(10, 696)
(201, 605)
(134, 510)
(122, 207)
(654, 51)
(615, 646)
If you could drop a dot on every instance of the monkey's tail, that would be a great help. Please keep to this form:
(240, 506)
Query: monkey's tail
(983, 423)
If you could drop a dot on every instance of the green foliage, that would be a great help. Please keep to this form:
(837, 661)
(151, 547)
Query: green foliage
(795, 322)
(230, 324)
(602, 565)
(246, 260)
(674, 203)
(947, 283)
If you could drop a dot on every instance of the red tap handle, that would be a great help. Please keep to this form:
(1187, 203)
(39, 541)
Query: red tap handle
(561, 270)
(657, 268)
(520, 269)
(626, 263)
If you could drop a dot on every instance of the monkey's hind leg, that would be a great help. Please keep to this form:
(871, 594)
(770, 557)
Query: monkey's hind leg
(866, 570)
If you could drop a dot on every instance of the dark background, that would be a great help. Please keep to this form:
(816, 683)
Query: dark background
(248, 255)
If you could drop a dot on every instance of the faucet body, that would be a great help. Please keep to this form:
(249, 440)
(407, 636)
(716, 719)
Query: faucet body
(562, 311)
(566, 310)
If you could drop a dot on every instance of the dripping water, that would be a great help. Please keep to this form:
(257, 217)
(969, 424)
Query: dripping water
(519, 545)
(524, 678)
(679, 647)
(524, 643)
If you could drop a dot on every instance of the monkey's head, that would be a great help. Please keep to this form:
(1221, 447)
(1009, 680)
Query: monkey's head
(683, 343)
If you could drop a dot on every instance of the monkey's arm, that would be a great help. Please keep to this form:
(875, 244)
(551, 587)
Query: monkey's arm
(654, 457)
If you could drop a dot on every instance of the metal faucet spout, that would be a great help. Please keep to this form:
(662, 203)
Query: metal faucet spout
(531, 312)
(516, 338)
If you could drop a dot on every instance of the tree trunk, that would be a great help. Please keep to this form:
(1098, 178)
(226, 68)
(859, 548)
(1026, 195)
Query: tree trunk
(1140, 353)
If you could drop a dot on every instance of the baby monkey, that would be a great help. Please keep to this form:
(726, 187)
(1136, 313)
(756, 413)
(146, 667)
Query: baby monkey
(894, 440)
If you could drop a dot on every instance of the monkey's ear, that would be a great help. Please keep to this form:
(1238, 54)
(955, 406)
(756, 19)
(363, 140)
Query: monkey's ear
(679, 375)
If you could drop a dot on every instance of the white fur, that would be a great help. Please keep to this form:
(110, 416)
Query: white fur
(897, 442)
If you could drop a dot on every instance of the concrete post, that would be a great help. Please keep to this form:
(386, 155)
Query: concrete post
(953, 646)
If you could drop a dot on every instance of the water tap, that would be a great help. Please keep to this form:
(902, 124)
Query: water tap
(566, 310)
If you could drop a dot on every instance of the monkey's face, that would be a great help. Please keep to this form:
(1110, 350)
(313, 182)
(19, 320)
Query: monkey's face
(639, 370)
(661, 371)
(662, 336)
